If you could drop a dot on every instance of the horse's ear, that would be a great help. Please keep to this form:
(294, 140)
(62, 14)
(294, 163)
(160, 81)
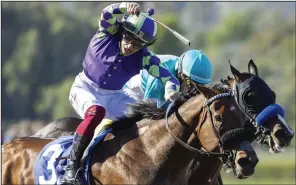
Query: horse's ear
(253, 68)
(207, 92)
(237, 75)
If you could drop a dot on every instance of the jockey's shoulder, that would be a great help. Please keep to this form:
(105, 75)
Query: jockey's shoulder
(148, 54)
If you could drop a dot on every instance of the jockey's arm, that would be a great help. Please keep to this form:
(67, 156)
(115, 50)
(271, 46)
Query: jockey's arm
(153, 65)
(108, 22)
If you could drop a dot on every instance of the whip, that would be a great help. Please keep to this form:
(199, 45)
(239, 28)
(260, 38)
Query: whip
(178, 35)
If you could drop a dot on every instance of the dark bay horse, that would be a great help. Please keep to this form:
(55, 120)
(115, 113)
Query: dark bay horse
(275, 133)
(200, 133)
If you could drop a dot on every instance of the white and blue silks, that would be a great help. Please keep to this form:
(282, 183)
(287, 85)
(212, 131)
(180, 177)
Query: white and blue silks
(151, 87)
(193, 63)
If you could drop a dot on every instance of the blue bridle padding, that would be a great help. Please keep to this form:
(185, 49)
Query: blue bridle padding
(269, 112)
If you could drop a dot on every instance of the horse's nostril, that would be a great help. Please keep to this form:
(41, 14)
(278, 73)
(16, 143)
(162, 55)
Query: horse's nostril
(280, 133)
(243, 161)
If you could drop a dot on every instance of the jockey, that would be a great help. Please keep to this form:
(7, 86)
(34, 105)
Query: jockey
(193, 64)
(117, 52)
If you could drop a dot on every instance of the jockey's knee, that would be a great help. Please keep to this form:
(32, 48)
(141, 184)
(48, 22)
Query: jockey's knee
(95, 112)
(92, 118)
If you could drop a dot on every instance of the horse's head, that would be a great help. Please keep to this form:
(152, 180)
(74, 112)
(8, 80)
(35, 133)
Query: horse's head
(228, 132)
(257, 101)
(219, 128)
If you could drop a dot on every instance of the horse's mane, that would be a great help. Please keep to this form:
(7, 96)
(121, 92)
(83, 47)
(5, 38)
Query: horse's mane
(144, 110)
(148, 109)
(222, 86)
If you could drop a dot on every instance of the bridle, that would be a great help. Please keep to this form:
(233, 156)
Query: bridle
(262, 134)
(225, 154)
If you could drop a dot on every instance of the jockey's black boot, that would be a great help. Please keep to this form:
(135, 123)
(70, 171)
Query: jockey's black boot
(72, 175)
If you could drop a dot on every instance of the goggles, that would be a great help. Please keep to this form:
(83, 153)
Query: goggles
(131, 32)
(128, 37)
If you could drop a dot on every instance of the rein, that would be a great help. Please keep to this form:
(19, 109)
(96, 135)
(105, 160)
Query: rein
(225, 153)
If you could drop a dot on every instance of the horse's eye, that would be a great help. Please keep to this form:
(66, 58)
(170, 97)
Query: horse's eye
(250, 98)
(218, 118)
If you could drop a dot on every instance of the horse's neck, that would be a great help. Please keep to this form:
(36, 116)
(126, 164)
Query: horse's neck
(153, 157)
(163, 160)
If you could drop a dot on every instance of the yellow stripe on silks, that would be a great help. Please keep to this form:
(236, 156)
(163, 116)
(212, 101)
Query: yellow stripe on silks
(161, 64)
(165, 79)
(112, 20)
(146, 61)
(101, 35)
(112, 29)
(154, 70)
(105, 124)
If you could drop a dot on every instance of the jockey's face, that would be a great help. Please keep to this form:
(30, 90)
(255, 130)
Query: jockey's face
(130, 44)
(128, 48)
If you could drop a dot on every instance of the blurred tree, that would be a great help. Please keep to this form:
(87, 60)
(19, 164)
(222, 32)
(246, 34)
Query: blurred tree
(54, 102)
(159, 7)
(234, 27)
(49, 45)
(198, 16)
(273, 49)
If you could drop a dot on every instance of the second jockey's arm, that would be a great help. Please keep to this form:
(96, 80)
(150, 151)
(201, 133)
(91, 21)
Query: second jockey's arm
(108, 22)
(152, 64)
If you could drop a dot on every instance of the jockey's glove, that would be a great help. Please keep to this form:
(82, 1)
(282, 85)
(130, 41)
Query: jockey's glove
(173, 96)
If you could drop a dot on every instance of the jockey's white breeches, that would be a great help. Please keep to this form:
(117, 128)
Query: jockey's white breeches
(85, 93)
